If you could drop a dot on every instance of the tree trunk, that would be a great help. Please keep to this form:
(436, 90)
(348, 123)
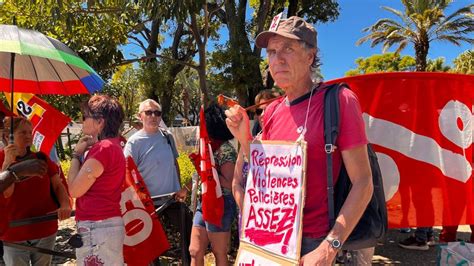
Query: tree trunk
(201, 45)
(151, 50)
(292, 8)
(249, 81)
(169, 92)
(262, 14)
(421, 52)
(153, 41)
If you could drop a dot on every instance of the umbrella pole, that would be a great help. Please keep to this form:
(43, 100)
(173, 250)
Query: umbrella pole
(12, 79)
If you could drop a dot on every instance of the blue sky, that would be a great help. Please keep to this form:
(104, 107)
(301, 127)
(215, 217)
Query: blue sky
(336, 40)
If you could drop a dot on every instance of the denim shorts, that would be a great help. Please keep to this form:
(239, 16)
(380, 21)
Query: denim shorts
(230, 210)
(102, 242)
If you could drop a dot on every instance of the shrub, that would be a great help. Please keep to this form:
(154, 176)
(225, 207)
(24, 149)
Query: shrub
(186, 167)
(65, 165)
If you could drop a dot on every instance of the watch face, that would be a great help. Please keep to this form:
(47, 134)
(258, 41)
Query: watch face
(336, 243)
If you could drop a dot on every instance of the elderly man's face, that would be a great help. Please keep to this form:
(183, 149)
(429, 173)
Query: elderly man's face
(150, 117)
(289, 62)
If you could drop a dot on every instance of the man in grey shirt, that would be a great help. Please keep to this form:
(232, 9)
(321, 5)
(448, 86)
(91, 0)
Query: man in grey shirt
(154, 151)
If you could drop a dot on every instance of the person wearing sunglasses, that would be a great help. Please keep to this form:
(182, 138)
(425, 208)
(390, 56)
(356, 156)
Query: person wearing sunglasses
(261, 97)
(95, 179)
(154, 151)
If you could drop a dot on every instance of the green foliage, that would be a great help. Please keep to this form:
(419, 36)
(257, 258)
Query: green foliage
(422, 21)
(186, 168)
(437, 65)
(464, 63)
(389, 62)
(314, 11)
(69, 105)
(392, 62)
(126, 87)
(156, 79)
(188, 102)
(94, 31)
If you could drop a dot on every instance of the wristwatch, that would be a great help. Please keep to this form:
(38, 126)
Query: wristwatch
(334, 242)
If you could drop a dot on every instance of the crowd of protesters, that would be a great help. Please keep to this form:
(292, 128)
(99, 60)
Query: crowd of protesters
(32, 185)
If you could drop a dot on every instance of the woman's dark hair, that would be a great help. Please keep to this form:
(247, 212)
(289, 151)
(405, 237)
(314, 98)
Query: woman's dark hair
(215, 123)
(107, 108)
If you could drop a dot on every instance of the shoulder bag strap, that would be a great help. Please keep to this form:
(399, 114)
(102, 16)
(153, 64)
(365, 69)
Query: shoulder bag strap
(331, 131)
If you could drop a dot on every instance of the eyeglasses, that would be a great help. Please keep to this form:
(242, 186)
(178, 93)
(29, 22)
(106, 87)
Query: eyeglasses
(150, 112)
(259, 111)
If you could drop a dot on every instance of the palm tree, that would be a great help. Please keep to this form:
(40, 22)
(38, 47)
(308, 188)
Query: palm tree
(464, 63)
(422, 22)
(437, 65)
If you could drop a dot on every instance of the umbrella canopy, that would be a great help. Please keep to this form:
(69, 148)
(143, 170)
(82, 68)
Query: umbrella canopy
(42, 65)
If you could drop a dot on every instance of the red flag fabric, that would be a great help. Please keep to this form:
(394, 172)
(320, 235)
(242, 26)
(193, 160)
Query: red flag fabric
(212, 200)
(145, 238)
(48, 122)
(421, 125)
(5, 110)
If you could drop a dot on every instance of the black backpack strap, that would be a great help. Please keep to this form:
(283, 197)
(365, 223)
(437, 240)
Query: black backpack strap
(331, 131)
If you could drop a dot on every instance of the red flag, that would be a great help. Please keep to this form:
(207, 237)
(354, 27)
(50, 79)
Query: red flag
(212, 200)
(5, 110)
(145, 238)
(422, 126)
(48, 122)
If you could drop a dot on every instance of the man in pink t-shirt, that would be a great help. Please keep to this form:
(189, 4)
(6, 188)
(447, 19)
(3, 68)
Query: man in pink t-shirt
(291, 50)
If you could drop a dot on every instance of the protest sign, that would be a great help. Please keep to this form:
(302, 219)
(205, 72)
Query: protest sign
(273, 204)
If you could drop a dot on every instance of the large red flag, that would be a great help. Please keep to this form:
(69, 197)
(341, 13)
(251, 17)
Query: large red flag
(48, 122)
(212, 200)
(421, 125)
(145, 238)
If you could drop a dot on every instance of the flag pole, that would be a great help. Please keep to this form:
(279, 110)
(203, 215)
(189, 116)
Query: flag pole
(12, 79)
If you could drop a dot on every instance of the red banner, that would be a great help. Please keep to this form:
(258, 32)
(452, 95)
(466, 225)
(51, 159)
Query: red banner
(212, 199)
(421, 125)
(48, 122)
(145, 238)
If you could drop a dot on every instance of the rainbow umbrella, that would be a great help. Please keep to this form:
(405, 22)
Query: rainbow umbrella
(39, 64)
(31, 62)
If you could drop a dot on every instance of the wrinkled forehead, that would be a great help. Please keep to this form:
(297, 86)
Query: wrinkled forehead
(278, 41)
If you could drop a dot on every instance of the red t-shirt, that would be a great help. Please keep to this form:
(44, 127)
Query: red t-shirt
(102, 200)
(281, 122)
(30, 198)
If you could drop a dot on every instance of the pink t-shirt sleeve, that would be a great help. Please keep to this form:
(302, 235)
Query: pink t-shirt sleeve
(352, 127)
